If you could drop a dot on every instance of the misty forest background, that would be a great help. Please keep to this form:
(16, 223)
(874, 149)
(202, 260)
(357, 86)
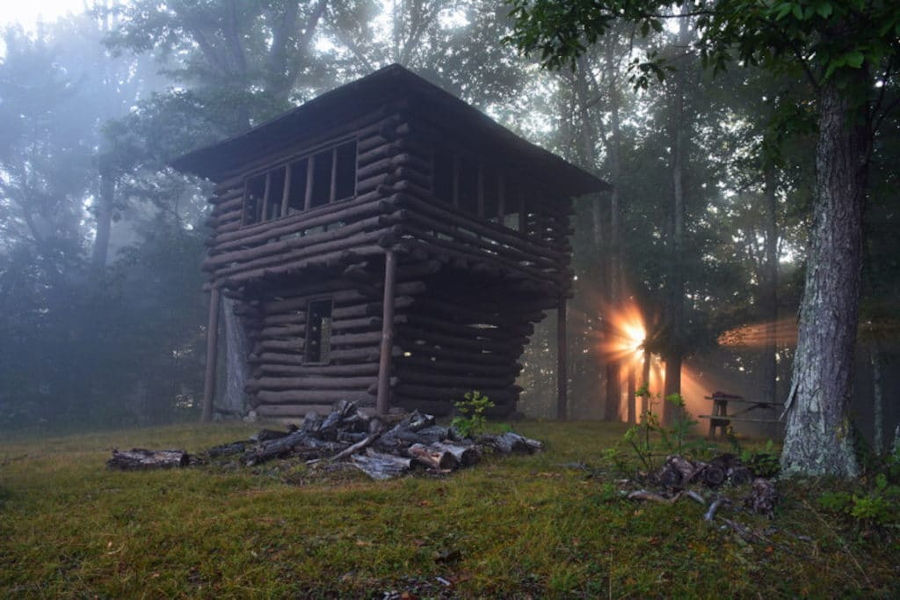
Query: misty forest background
(102, 313)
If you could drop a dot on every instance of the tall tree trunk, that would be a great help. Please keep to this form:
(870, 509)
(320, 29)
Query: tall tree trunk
(675, 279)
(233, 400)
(877, 400)
(818, 437)
(613, 253)
(645, 384)
(632, 389)
(105, 203)
(769, 295)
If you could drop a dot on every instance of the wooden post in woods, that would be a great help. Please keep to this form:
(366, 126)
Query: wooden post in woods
(387, 333)
(212, 341)
(561, 366)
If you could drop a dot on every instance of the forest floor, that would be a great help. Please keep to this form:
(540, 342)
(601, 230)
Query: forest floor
(551, 524)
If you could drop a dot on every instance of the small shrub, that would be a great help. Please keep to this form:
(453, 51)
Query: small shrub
(471, 422)
(877, 506)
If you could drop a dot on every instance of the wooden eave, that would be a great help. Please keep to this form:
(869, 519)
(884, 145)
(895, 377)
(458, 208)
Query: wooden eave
(385, 87)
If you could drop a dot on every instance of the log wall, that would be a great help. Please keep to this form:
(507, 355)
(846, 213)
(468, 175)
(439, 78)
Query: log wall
(469, 288)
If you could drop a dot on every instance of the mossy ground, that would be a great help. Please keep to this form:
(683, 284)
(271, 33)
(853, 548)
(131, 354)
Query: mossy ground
(515, 527)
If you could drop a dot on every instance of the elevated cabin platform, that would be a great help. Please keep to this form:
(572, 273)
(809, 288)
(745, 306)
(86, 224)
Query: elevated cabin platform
(389, 244)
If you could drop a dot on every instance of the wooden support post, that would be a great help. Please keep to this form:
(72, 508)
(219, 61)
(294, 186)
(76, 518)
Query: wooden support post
(264, 212)
(212, 341)
(307, 198)
(387, 333)
(333, 190)
(561, 362)
(286, 193)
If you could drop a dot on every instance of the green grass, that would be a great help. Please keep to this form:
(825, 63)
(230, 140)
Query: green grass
(514, 527)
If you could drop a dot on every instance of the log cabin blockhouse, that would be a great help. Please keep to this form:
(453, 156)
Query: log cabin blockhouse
(388, 244)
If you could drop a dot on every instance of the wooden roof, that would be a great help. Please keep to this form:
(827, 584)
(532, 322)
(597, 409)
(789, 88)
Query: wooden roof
(333, 109)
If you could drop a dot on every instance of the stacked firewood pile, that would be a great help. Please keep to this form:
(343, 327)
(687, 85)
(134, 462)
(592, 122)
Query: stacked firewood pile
(680, 477)
(382, 448)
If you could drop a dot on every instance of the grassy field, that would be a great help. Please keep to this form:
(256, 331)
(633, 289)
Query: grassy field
(519, 527)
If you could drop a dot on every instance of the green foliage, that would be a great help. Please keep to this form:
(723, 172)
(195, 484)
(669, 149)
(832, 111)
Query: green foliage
(471, 422)
(650, 438)
(874, 505)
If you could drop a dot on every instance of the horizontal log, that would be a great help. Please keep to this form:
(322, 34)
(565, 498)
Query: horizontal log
(310, 254)
(237, 250)
(423, 364)
(361, 355)
(276, 358)
(329, 370)
(297, 319)
(388, 149)
(475, 381)
(441, 353)
(313, 396)
(541, 258)
(295, 345)
(331, 259)
(468, 311)
(296, 248)
(389, 164)
(458, 327)
(283, 331)
(355, 208)
(499, 233)
(459, 340)
(450, 251)
(355, 339)
(370, 308)
(324, 383)
(138, 459)
(381, 466)
(433, 458)
(296, 411)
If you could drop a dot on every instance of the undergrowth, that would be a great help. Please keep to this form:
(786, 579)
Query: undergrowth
(547, 525)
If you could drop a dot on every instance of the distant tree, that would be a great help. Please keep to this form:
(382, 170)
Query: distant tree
(844, 48)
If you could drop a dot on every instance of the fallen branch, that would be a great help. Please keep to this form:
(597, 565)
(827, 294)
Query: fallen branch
(138, 459)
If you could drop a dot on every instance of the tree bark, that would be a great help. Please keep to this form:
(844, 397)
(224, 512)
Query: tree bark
(106, 200)
(818, 437)
(234, 401)
(675, 281)
(877, 400)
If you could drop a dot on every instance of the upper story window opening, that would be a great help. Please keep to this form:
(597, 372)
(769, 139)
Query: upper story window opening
(309, 182)
(479, 189)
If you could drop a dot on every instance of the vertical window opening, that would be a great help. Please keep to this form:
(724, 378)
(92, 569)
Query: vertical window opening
(318, 330)
(321, 183)
(254, 194)
(297, 193)
(275, 194)
(345, 172)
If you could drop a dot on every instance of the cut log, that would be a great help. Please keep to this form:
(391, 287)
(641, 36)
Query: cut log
(763, 497)
(465, 456)
(275, 448)
(509, 442)
(229, 449)
(138, 459)
(381, 466)
(433, 457)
